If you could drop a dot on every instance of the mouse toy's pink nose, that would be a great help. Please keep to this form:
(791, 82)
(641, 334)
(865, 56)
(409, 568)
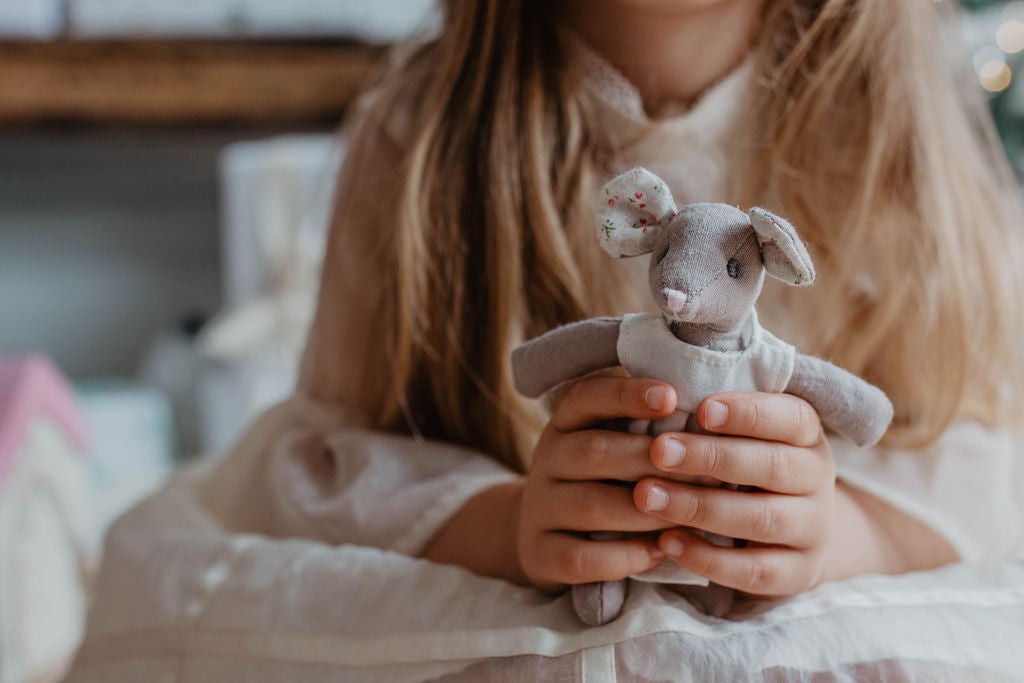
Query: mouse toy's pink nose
(674, 300)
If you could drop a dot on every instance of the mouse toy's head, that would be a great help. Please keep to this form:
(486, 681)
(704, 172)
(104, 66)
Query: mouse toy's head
(708, 261)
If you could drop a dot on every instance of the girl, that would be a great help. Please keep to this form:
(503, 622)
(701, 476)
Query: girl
(463, 226)
(492, 143)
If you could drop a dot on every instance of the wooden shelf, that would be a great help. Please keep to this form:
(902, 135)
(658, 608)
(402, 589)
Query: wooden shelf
(180, 81)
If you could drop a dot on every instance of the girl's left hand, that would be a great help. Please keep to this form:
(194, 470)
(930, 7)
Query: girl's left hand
(774, 442)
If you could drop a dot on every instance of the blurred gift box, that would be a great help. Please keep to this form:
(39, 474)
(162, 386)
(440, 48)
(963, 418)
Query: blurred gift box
(48, 535)
(133, 444)
(70, 463)
(276, 203)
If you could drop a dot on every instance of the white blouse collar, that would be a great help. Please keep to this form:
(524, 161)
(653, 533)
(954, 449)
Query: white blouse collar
(715, 109)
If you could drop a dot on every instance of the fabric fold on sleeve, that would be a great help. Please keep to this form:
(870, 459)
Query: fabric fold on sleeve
(968, 487)
(374, 489)
(307, 470)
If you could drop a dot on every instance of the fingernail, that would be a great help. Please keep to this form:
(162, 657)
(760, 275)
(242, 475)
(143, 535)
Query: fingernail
(673, 546)
(715, 414)
(656, 397)
(657, 499)
(672, 453)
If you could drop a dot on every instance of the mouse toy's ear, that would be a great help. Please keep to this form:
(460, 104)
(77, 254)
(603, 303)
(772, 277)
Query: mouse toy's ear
(784, 255)
(631, 210)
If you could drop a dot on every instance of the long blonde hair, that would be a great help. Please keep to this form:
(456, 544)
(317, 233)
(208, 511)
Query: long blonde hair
(894, 174)
(864, 141)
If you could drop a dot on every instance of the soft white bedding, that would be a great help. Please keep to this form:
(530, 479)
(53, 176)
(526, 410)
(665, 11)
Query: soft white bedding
(182, 599)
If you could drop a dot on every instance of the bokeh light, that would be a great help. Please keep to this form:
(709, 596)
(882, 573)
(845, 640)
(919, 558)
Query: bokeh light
(994, 75)
(1010, 36)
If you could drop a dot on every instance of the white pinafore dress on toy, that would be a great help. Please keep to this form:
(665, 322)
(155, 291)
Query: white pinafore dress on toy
(647, 348)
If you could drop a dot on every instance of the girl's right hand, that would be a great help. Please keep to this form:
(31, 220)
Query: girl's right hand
(580, 481)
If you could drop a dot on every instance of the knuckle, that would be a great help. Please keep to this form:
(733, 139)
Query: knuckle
(714, 456)
(805, 420)
(622, 392)
(704, 563)
(597, 449)
(759, 577)
(570, 564)
(755, 416)
(777, 465)
(752, 576)
(694, 509)
(800, 418)
(766, 521)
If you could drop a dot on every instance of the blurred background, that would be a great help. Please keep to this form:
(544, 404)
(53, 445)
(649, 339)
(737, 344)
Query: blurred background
(166, 169)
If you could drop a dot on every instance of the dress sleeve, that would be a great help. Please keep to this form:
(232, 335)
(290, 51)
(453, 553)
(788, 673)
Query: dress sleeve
(304, 470)
(307, 469)
(968, 487)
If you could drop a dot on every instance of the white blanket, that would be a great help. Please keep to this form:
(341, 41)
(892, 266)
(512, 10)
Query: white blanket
(182, 599)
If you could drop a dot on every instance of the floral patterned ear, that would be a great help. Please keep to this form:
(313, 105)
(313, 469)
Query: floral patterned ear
(631, 211)
(784, 255)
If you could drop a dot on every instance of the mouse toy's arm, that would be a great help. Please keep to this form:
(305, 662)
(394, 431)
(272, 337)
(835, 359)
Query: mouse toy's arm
(855, 409)
(565, 353)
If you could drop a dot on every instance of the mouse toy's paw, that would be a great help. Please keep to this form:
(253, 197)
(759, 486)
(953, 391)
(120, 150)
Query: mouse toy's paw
(599, 602)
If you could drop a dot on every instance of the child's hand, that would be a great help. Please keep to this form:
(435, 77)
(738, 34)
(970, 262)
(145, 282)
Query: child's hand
(570, 489)
(782, 450)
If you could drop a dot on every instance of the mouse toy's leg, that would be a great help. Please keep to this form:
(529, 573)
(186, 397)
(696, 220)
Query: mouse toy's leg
(599, 602)
(676, 422)
(638, 426)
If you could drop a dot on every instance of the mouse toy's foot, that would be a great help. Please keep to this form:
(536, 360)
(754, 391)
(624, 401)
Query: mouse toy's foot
(599, 602)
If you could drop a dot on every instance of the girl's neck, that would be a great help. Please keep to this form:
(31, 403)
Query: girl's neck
(708, 337)
(671, 52)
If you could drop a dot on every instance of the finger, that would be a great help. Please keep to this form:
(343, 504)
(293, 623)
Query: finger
(769, 465)
(770, 417)
(594, 399)
(592, 506)
(596, 454)
(599, 454)
(760, 517)
(571, 559)
(764, 571)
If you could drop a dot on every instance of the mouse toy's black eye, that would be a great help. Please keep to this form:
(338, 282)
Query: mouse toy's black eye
(663, 254)
(733, 268)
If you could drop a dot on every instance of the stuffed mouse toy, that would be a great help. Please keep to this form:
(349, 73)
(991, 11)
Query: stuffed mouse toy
(708, 263)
